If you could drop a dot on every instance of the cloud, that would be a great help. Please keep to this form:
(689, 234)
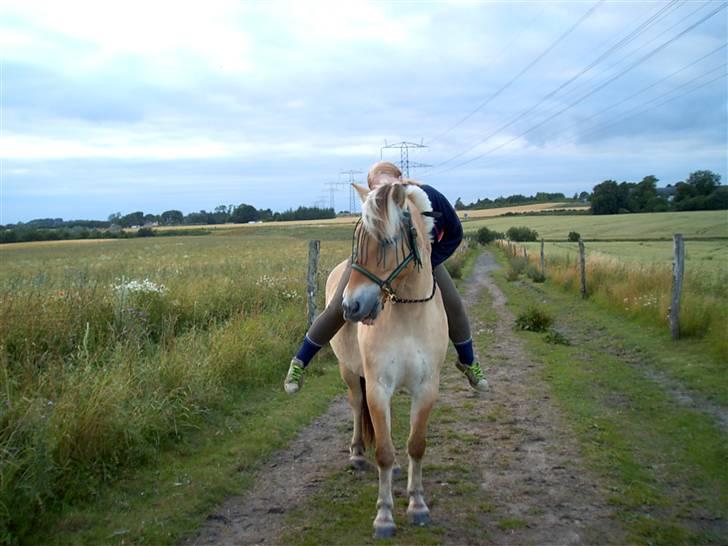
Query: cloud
(101, 98)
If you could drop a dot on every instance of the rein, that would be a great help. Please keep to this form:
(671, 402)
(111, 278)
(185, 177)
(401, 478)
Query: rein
(386, 284)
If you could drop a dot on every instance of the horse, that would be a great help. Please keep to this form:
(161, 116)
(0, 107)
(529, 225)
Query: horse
(395, 335)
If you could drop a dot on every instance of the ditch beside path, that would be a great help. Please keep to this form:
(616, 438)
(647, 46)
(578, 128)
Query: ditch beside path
(501, 467)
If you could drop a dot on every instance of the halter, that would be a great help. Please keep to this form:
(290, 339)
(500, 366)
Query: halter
(408, 233)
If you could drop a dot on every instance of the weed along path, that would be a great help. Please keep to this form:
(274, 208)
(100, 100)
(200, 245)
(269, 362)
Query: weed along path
(500, 468)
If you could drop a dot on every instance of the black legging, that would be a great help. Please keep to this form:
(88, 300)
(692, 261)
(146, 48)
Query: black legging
(331, 319)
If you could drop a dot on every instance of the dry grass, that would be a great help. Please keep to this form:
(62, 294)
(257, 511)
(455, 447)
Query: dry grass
(643, 291)
(94, 378)
(538, 207)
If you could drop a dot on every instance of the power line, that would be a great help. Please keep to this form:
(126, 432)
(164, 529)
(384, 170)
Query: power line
(595, 90)
(640, 109)
(637, 31)
(521, 73)
(585, 84)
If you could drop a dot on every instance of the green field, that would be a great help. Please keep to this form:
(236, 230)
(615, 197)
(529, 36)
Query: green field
(699, 255)
(618, 226)
(114, 352)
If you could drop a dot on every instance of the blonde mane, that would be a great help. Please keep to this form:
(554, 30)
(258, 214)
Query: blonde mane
(381, 215)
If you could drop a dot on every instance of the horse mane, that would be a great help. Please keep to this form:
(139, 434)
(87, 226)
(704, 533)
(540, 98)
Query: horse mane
(380, 211)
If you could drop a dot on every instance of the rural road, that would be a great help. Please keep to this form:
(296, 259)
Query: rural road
(527, 484)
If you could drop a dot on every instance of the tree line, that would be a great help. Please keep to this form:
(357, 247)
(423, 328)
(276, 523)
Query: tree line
(701, 191)
(45, 229)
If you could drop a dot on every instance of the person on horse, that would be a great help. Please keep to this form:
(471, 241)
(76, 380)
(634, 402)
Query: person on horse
(446, 237)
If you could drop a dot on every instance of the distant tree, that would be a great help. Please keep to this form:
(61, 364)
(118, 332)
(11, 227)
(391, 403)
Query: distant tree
(220, 216)
(574, 236)
(605, 198)
(172, 217)
(584, 196)
(701, 191)
(522, 234)
(244, 213)
(485, 235)
(114, 218)
(196, 218)
(459, 205)
(643, 193)
(132, 219)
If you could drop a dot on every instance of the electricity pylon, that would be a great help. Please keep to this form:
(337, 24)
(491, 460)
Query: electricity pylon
(404, 147)
(352, 195)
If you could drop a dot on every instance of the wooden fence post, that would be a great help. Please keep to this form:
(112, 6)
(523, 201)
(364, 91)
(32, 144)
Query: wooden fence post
(582, 268)
(525, 253)
(543, 260)
(678, 268)
(312, 278)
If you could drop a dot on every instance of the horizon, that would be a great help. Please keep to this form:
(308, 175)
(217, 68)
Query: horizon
(160, 107)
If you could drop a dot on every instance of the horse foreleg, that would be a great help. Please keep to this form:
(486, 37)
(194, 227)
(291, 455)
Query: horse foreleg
(422, 403)
(379, 408)
(356, 396)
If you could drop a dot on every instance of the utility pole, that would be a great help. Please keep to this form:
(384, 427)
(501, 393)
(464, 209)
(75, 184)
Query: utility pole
(332, 189)
(352, 195)
(404, 147)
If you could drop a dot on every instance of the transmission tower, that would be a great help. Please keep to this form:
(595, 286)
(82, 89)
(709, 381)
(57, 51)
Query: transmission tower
(404, 147)
(352, 194)
(333, 187)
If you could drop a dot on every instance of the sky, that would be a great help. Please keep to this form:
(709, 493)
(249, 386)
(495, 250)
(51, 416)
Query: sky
(122, 106)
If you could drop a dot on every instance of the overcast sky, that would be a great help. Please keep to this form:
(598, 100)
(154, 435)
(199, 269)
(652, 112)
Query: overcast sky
(154, 105)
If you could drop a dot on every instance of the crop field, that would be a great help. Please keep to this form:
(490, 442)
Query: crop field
(109, 350)
(616, 227)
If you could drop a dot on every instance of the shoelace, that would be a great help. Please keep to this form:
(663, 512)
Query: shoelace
(296, 373)
(477, 371)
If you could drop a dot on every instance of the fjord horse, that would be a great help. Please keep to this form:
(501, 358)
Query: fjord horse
(395, 335)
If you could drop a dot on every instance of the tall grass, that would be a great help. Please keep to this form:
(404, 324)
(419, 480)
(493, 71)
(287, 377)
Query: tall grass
(643, 291)
(108, 353)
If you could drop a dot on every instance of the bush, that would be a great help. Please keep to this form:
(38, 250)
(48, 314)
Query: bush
(556, 338)
(485, 235)
(534, 320)
(535, 274)
(574, 236)
(522, 234)
(455, 268)
(518, 264)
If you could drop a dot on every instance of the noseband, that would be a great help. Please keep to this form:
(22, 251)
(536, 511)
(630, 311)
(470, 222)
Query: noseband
(408, 233)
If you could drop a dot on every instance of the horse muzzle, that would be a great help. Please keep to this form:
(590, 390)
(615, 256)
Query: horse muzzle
(364, 303)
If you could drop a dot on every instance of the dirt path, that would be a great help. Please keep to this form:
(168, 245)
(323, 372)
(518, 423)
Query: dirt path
(518, 469)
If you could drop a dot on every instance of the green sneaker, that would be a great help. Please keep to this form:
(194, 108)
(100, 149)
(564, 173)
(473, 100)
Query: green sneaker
(475, 375)
(294, 377)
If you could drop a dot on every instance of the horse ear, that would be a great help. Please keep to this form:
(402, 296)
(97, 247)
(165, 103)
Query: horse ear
(399, 194)
(362, 191)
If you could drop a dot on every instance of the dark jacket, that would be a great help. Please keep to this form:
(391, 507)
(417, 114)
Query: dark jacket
(448, 231)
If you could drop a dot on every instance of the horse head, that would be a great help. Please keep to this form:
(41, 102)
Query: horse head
(390, 248)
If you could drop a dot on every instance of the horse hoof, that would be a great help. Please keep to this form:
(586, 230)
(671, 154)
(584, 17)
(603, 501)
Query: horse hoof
(385, 531)
(359, 463)
(420, 519)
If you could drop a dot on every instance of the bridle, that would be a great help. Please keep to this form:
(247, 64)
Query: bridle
(408, 233)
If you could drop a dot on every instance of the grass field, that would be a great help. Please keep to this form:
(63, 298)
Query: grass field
(618, 226)
(113, 352)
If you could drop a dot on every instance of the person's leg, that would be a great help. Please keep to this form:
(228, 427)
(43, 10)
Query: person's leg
(459, 329)
(319, 334)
